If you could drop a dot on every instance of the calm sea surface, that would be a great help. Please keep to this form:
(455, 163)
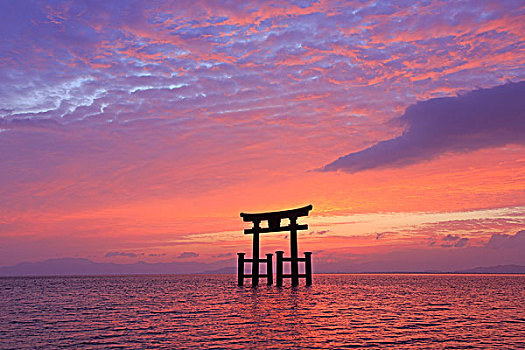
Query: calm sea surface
(211, 312)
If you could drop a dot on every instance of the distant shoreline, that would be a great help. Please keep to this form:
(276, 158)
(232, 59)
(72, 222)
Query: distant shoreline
(232, 274)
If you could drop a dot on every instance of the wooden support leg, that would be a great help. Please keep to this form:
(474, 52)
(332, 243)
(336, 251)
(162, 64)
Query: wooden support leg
(293, 252)
(240, 268)
(308, 267)
(279, 268)
(255, 263)
(269, 269)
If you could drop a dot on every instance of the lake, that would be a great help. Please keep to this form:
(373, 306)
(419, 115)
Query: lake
(399, 311)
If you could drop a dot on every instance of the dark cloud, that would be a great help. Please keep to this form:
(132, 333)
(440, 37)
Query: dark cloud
(450, 238)
(461, 242)
(499, 240)
(157, 254)
(479, 119)
(112, 254)
(187, 255)
(453, 241)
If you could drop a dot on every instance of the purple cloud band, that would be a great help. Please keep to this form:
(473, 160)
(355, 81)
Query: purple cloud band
(479, 119)
(187, 255)
(129, 255)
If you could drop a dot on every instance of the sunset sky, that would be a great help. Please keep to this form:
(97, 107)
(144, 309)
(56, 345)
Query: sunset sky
(139, 130)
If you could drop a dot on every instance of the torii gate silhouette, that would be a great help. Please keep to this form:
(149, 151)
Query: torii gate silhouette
(274, 225)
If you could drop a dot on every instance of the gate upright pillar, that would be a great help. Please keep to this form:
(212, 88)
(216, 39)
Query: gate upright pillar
(293, 251)
(269, 269)
(279, 268)
(240, 268)
(255, 253)
(308, 267)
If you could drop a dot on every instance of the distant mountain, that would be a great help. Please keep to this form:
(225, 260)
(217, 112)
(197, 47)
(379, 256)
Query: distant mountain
(496, 269)
(77, 266)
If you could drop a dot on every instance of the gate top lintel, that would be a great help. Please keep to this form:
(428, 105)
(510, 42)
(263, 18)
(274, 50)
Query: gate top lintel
(275, 215)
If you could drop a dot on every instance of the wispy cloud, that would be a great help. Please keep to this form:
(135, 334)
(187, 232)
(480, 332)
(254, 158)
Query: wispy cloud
(223, 255)
(318, 233)
(157, 254)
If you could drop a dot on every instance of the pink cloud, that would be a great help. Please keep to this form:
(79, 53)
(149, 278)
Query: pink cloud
(109, 110)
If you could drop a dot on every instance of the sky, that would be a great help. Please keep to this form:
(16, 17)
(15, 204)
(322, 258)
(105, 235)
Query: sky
(139, 130)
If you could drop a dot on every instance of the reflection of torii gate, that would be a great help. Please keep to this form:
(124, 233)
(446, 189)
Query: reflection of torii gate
(274, 225)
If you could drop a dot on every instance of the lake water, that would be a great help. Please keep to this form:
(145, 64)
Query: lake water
(211, 312)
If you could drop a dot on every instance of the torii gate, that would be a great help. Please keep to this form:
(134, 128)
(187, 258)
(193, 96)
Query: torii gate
(274, 225)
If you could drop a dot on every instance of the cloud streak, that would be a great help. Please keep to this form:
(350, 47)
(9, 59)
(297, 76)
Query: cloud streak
(479, 119)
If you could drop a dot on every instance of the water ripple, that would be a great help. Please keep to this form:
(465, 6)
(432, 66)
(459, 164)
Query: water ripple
(338, 311)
